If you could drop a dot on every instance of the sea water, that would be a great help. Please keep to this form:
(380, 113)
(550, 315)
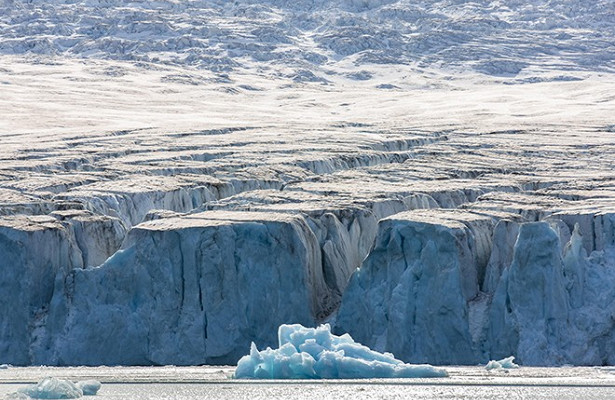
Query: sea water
(207, 382)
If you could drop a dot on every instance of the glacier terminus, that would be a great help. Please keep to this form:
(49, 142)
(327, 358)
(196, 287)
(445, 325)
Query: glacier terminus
(435, 179)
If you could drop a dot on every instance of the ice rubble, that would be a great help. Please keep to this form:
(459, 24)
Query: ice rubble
(315, 353)
(55, 388)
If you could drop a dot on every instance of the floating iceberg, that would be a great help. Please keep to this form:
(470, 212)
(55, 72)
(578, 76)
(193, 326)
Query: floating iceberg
(54, 388)
(89, 387)
(315, 353)
(505, 363)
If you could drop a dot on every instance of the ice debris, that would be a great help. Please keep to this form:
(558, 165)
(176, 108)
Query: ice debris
(54, 388)
(505, 363)
(315, 353)
(89, 387)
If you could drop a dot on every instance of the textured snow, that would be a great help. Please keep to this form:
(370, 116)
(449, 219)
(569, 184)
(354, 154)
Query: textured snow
(298, 39)
(179, 178)
(315, 353)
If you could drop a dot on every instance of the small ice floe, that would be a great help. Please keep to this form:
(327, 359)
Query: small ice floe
(504, 363)
(315, 353)
(5, 366)
(54, 388)
(89, 387)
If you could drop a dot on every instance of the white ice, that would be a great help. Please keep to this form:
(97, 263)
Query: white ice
(505, 363)
(315, 353)
(56, 388)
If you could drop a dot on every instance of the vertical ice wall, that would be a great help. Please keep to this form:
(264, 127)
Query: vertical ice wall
(529, 313)
(417, 295)
(411, 295)
(33, 250)
(189, 291)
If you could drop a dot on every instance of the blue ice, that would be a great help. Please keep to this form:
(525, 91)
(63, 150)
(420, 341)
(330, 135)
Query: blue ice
(89, 387)
(54, 388)
(315, 353)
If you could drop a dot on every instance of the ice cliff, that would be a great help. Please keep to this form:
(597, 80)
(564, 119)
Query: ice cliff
(444, 271)
(189, 291)
(417, 293)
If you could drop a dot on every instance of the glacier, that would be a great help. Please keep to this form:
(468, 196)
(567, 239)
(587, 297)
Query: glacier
(180, 178)
(414, 282)
(194, 294)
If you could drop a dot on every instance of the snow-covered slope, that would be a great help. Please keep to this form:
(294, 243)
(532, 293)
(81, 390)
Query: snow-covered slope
(178, 178)
(302, 38)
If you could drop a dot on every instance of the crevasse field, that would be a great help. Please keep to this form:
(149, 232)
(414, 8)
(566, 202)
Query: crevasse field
(178, 178)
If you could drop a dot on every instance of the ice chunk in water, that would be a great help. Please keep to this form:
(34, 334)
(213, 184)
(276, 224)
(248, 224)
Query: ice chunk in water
(315, 353)
(89, 387)
(52, 388)
(505, 363)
